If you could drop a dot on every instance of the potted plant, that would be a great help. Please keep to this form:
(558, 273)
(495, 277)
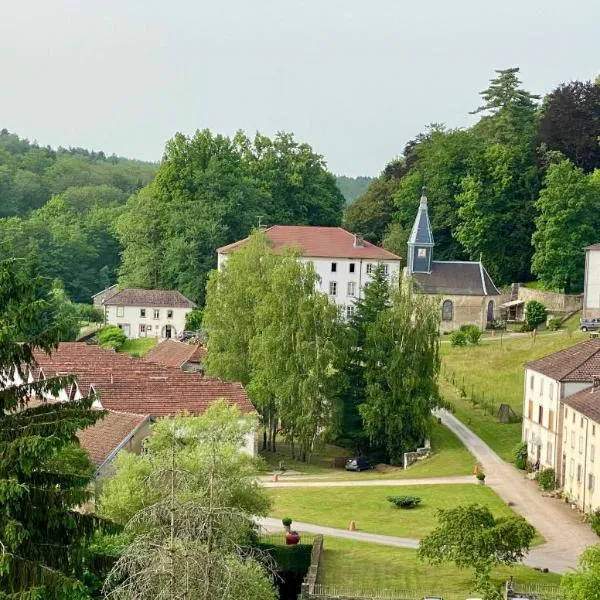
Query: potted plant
(287, 524)
(292, 538)
(480, 477)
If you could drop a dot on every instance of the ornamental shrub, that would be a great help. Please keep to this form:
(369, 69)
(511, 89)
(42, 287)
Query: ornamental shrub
(111, 337)
(404, 501)
(554, 324)
(286, 521)
(594, 520)
(547, 479)
(535, 313)
(458, 338)
(472, 332)
(520, 455)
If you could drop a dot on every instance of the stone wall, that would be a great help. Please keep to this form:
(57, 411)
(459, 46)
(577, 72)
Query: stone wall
(555, 303)
(467, 310)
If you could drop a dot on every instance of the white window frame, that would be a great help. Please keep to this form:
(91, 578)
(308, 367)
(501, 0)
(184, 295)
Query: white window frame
(580, 444)
(170, 313)
(572, 468)
(351, 289)
(142, 313)
(156, 313)
(349, 311)
(592, 452)
(370, 268)
(573, 439)
(120, 311)
(421, 252)
(333, 288)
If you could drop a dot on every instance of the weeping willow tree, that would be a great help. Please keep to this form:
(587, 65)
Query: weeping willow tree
(44, 475)
(187, 507)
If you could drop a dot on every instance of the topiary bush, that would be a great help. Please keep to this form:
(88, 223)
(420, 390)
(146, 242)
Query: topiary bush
(458, 338)
(404, 501)
(535, 314)
(286, 521)
(547, 479)
(111, 337)
(525, 328)
(520, 455)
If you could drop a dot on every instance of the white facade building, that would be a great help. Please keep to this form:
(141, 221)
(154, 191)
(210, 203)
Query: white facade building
(343, 261)
(148, 313)
(591, 290)
(548, 382)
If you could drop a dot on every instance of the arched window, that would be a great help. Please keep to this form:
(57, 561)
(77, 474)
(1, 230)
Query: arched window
(490, 311)
(447, 310)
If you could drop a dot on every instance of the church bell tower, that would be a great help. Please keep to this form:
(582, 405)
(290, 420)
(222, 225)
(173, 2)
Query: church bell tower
(420, 242)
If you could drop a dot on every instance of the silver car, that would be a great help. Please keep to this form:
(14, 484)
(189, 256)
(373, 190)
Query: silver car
(588, 324)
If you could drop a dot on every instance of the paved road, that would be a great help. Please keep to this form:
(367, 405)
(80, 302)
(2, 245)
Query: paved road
(274, 525)
(564, 530)
(367, 482)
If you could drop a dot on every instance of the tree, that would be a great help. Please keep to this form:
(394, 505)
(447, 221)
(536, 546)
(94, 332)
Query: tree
(568, 220)
(570, 123)
(187, 506)
(294, 353)
(584, 584)
(535, 313)
(352, 187)
(112, 337)
(401, 365)
(395, 239)
(193, 320)
(471, 538)
(374, 300)
(44, 475)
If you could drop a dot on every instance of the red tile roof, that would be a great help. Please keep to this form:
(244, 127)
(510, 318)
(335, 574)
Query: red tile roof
(587, 402)
(577, 363)
(106, 435)
(175, 354)
(318, 242)
(134, 385)
(139, 297)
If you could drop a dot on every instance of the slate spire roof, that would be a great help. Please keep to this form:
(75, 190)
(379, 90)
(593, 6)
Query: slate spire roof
(421, 234)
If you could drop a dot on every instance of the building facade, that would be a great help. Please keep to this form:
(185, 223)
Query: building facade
(148, 313)
(591, 289)
(551, 384)
(465, 291)
(344, 262)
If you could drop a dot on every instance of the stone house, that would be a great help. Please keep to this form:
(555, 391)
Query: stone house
(465, 291)
(148, 313)
(342, 260)
(591, 289)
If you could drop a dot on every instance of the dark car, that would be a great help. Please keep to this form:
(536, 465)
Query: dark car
(587, 324)
(360, 463)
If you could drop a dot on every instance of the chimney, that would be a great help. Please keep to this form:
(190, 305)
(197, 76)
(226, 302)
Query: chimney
(359, 241)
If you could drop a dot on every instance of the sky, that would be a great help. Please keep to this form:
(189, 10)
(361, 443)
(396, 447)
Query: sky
(355, 79)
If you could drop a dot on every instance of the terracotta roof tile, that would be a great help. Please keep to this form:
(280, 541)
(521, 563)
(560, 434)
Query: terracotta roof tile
(577, 363)
(587, 402)
(318, 242)
(175, 354)
(139, 297)
(134, 385)
(102, 438)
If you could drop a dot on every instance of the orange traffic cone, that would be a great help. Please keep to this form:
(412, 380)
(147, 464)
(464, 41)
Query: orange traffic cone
(352, 526)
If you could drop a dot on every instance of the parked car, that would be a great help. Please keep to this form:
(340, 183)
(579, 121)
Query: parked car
(359, 463)
(588, 324)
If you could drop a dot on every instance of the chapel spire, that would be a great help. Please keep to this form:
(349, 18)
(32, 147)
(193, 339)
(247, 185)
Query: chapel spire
(420, 242)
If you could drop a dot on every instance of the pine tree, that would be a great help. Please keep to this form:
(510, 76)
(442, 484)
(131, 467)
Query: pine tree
(375, 299)
(44, 475)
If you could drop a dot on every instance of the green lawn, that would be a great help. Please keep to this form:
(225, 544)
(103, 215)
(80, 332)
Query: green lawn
(493, 371)
(449, 457)
(360, 566)
(139, 346)
(368, 507)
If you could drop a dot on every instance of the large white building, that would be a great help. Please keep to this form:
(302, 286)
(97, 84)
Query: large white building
(343, 261)
(591, 290)
(550, 383)
(148, 313)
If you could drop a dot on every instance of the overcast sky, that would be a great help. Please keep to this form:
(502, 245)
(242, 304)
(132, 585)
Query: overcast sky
(354, 78)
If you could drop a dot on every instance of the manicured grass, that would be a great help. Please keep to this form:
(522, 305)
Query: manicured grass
(138, 346)
(369, 508)
(360, 566)
(449, 457)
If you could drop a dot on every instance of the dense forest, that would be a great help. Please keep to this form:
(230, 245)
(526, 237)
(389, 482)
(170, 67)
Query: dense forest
(520, 188)
(353, 187)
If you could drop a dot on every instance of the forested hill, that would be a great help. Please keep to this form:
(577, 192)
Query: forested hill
(520, 189)
(352, 187)
(86, 219)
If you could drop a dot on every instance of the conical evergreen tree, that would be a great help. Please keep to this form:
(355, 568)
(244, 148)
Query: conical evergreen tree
(44, 475)
(375, 299)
